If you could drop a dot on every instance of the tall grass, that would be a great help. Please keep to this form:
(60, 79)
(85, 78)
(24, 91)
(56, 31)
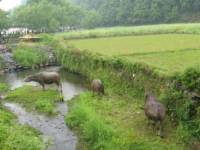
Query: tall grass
(29, 56)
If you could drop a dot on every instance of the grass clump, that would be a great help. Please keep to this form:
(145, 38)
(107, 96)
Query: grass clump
(29, 55)
(35, 99)
(14, 136)
(114, 122)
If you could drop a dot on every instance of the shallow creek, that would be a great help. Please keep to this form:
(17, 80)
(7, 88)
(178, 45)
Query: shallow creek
(54, 130)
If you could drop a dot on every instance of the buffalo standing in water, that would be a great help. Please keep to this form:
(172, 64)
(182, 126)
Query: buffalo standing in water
(45, 78)
(97, 86)
(155, 111)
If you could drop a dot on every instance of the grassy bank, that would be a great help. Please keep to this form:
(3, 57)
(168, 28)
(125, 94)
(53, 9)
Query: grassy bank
(34, 98)
(117, 123)
(190, 28)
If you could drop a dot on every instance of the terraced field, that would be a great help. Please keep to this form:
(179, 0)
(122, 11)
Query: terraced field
(168, 53)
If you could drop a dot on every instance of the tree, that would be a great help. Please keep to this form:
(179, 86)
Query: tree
(46, 15)
(4, 22)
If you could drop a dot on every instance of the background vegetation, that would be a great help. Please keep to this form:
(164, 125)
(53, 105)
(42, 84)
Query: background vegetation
(71, 14)
(129, 12)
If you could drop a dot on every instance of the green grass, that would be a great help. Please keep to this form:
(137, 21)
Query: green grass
(190, 28)
(34, 98)
(17, 137)
(117, 123)
(168, 53)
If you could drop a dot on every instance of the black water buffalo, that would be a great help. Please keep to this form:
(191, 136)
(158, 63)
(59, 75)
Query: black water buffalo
(97, 86)
(155, 111)
(45, 78)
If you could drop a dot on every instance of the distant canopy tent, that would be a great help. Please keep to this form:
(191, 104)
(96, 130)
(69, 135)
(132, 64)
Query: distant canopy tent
(30, 38)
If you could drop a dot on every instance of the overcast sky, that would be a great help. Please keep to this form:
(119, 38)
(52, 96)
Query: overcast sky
(9, 4)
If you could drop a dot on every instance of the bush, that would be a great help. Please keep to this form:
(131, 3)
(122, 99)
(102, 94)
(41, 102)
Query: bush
(182, 103)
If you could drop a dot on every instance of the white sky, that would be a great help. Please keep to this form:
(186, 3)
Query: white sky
(9, 4)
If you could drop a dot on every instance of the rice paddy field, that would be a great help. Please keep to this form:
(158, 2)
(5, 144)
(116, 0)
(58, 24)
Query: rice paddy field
(167, 53)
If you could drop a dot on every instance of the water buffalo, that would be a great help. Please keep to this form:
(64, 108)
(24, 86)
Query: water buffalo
(97, 86)
(155, 111)
(45, 78)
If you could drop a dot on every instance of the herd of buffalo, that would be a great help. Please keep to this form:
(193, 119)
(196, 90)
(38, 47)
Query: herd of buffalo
(154, 110)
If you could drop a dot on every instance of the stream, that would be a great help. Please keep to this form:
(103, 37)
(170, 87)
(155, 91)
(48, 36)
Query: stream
(53, 129)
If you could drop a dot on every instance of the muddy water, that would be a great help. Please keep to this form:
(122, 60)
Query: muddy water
(54, 129)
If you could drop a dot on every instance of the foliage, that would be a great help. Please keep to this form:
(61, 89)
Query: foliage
(14, 136)
(29, 56)
(35, 99)
(129, 12)
(33, 15)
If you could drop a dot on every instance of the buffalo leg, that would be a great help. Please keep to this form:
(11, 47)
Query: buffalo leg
(160, 129)
(43, 87)
(59, 85)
